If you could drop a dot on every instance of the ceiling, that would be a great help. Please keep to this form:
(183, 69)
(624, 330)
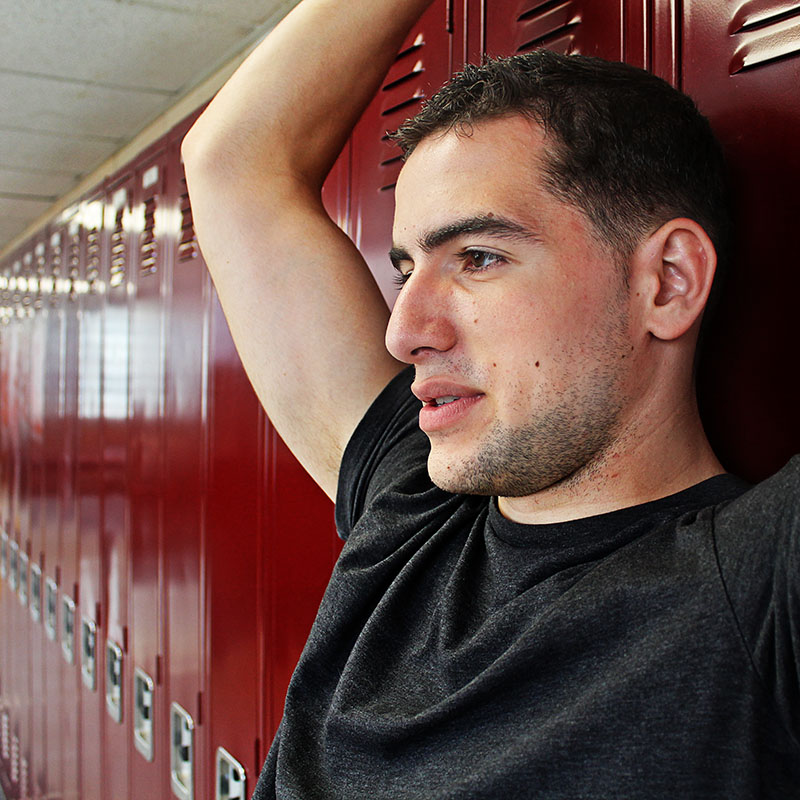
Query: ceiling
(80, 78)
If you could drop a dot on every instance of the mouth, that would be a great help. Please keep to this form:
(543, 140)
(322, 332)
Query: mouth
(445, 404)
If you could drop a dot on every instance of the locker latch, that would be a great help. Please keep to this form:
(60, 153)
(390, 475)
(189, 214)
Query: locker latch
(89, 653)
(23, 579)
(3, 555)
(36, 592)
(13, 565)
(143, 713)
(114, 680)
(181, 752)
(68, 629)
(50, 608)
(231, 778)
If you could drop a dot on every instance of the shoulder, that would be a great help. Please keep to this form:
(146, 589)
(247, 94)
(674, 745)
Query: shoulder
(387, 451)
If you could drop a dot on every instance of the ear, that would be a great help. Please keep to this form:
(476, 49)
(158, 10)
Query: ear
(676, 267)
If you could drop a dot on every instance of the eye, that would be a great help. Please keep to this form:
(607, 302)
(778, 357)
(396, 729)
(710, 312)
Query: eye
(480, 260)
(399, 279)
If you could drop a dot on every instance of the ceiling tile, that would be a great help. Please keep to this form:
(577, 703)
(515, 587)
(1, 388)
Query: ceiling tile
(40, 151)
(115, 44)
(47, 105)
(35, 182)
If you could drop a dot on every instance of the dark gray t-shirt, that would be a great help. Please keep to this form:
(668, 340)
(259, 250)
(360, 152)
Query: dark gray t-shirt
(652, 652)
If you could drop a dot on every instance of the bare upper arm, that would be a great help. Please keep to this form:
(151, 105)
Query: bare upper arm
(305, 313)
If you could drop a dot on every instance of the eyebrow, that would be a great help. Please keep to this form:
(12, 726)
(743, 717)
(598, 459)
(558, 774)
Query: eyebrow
(496, 227)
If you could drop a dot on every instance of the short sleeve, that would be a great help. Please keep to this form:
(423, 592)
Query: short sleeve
(757, 538)
(386, 446)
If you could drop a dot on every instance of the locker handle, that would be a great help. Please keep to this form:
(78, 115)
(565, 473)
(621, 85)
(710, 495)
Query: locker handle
(143, 732)
(231, 778)
(181, 753)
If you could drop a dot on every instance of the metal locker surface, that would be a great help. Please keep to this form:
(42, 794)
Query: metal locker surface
(186, 359)
(741, 63)
(572, 26)
(38, 352)
(422, 65)
(88, 305)
(53, 315)
(234, 626)
(117, 740)
(146, 471)
(69, 555)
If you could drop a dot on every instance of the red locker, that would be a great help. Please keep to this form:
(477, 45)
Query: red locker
(145, 482)
(186, 352)
(742, 65)
(38, 352)
(88, 484)
(53, 318)
(69, 555)
(117, 740)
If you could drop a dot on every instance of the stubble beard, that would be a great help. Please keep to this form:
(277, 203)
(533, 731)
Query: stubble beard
(567, 441)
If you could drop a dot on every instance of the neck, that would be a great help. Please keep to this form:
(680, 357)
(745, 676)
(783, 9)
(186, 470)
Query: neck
(657, 454)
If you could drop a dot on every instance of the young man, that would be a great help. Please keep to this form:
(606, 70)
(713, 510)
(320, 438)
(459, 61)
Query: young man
(549, 588)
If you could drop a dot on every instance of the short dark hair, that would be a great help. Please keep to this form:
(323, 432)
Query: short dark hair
(624, 146)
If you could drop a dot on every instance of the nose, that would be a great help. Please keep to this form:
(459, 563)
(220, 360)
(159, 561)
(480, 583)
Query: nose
(422, 320)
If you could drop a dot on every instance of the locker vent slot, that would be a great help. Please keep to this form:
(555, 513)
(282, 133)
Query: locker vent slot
(187, 246)
(50, 608)
(92, 254)
(4, 555)
(114, 680)
(5, 743)
(143, 713)
(765, 36)
(13, 565)
(231, 777)
(36, 593)
(549, 24)
(23, 579)
(89, 653)
(118, 249)
(56, 260)
(181, 751)
(148, 254)
(68, 629)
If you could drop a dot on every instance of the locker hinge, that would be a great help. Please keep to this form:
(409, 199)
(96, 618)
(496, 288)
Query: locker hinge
(158, 671)
(97, 619)
(199, 708)
(75, 597)
(125, 639)
(448, 22)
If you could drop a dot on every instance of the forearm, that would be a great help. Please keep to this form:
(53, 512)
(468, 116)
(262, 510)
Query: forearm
(290, 107)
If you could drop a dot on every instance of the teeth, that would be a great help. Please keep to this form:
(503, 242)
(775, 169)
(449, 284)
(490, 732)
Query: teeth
(441, 401)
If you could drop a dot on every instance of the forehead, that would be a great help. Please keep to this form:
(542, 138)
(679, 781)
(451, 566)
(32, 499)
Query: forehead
(493, 168)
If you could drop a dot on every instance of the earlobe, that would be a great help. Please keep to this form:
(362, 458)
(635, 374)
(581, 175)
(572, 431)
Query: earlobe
(680, 259)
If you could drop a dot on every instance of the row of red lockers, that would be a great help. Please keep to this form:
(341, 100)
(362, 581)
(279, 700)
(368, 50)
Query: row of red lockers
(163, 554)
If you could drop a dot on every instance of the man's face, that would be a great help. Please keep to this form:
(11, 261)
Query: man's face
(513, 313)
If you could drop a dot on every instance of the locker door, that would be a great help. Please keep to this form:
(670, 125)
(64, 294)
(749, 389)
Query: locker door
(115, 410)
(69, 555)
(571, 26)
(741, 63)
(38, 350)
(88, 478)
(232, 555)
(53, 314)
(184, 509)
(146, 476)
(422, 65)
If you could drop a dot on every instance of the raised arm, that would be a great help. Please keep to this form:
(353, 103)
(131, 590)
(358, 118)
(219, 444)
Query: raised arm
(306, 316)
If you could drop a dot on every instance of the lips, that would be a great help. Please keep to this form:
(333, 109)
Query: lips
(445, 403)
